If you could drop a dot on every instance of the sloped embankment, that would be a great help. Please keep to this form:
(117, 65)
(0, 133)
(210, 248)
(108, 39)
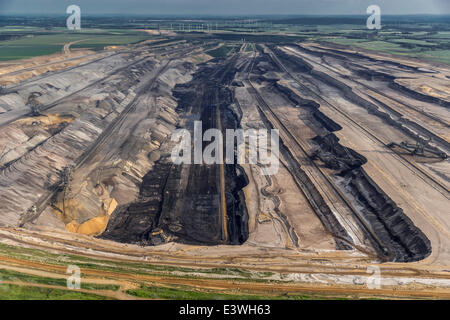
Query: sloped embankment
(183, 203)
(398, 234)
(402, 240)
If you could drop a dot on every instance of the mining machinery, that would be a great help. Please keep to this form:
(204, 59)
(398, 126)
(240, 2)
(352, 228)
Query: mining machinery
(421, 148)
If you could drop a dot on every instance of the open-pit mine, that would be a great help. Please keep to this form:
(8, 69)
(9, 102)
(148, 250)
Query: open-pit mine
(87, 178)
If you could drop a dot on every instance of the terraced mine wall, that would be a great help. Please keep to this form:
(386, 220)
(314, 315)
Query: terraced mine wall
(367, 74)
(304, 183)
(419, 96)
(326, 122)
(201, 197)
(336, 156)
(403, 124)
(42, 146)
(299, 64)
(135, 222)
(235, 203)
(343, 55)
(324, 212)
(401, 240)
(235, 178)
(183, 202)
(412, 128)
(371, 74)
(405, 241)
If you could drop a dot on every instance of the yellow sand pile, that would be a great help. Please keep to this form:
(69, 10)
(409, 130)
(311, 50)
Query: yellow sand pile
(94, 226)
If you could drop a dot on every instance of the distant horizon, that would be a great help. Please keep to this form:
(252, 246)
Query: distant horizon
(219, 15)
(226, 8)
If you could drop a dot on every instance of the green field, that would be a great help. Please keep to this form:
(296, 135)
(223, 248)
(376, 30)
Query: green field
(414, 42)
(435, 48)
(37, 43)
(24, 291)
(8, 275)
(16, 292)
(425, 41)
(185, 294)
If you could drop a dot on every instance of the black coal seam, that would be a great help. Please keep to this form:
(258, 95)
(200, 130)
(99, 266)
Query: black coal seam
(390, 79)
(122, 224)
(409, 242)
(326, 216)
(325, 121)
(418, 95)
(373, 109)
(161, 201)
(406, 255)
(236, 206)
(397, 243)
(237, 213)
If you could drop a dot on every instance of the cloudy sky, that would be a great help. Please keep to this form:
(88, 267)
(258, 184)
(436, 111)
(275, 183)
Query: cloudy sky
(225, 7)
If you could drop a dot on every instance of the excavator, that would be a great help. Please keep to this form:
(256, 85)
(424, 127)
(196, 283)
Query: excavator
(34, 110)
(33, 104)
(421, 148)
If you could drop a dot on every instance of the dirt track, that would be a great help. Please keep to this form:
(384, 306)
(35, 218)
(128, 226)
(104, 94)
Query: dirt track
(229, 286)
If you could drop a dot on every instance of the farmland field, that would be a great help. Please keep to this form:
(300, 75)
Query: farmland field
(40, 42)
